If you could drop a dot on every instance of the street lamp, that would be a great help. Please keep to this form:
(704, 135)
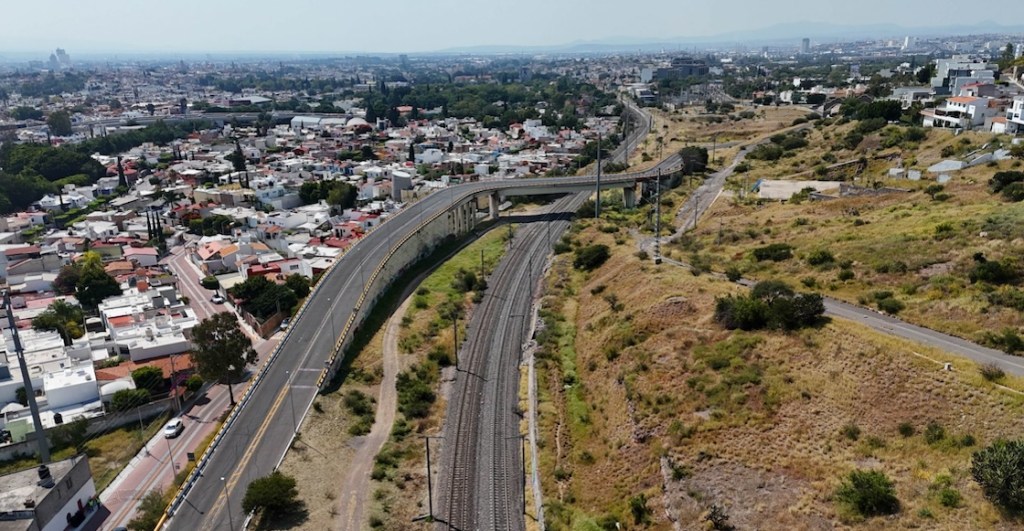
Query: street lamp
(231, 392)
(291, 401)
(227, 503)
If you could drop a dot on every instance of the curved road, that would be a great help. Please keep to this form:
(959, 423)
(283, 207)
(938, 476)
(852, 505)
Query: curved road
(258, 436)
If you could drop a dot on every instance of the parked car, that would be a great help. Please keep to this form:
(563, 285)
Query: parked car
(285, 323)
(173, 428)
(217, 299)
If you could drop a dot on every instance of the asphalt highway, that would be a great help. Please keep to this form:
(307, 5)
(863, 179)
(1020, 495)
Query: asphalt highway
(254, 444)
(256, 441)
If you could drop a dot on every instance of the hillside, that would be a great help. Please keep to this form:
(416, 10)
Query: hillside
(652, 413)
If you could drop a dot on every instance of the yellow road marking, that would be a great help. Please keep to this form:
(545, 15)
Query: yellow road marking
(240, 467)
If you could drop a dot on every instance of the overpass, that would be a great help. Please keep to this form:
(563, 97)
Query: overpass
(258, 432)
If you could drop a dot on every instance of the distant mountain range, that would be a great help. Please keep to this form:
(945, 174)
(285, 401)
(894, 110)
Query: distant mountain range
(778, 34)
(786, 35)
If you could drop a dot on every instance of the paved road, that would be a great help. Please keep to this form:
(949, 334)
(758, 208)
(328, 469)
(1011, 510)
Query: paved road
(480, 479)
(954, 345)
(257, 439)
(149, 469)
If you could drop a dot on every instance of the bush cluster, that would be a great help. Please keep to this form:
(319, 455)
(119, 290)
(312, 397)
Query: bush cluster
(776, 252)
(772, 304)
(591, 257)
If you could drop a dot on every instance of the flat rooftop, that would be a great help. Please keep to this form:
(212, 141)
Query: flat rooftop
(18, 487)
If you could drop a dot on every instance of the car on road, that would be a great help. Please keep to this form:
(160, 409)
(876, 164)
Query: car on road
(173, 428)
(217, 299)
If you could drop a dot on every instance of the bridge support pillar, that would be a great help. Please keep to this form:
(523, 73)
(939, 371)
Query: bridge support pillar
(494, 203)
(629, 196)
(457, 219)
(470, 213)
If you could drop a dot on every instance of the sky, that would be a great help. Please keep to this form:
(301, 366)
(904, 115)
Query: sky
(410, 26)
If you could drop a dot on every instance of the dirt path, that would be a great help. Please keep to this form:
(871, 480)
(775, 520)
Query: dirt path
(356, 486)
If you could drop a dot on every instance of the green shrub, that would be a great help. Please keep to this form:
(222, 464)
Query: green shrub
(991, 372)
(771, 304)
(194, 383)
(820, 257)
(733, 274)
(851, 431)
(591, 257)
(274, 494)
(128, 399)
(210, 282)
(934, 433)
(845, 274)
(890, 305)
(775, 252)
(906, 429)
(950, 497)
(997, 469)
(149, 378)
(868, 493)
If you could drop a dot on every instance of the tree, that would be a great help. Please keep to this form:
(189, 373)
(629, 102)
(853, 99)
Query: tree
(298, 284)
(263, 298)
(26, 113)
(67, 319)
(121, 180)
(21, 396)
(869, 493)
(342, 195)
(222, 350)
(997, 469)
(274, 495)
(150, 378)
(59, 123)
(150, 108)
(309, 192)
(1007, 57)
(94, 284)
(639, 509)
(128, 399)
(72, 434)
(150, 510)
(237, 158)
(693, 159)
(590, 257)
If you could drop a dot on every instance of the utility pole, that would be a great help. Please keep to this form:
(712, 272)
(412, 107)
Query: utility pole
(174, 386)
(657, 220)
(430, 489)
(597, 202)
(26, 379)
(482, 273)
(455, 340)
(522, 439)
(696, 207)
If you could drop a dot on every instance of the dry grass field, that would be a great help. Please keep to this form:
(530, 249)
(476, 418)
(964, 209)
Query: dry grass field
(651, 413)
(920, 249)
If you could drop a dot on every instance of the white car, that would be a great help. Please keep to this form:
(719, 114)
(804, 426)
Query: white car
(173, 428)
(217, 299)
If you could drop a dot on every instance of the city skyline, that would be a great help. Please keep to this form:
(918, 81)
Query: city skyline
(232, 26)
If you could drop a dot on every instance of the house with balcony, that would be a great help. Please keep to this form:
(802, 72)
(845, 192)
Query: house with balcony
(1013, 122)
(959, 112)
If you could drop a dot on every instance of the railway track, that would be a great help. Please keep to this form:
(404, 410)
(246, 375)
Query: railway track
(480, 483)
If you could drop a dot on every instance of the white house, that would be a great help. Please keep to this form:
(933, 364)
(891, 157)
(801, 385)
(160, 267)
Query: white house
(71, 386)
(960, 112)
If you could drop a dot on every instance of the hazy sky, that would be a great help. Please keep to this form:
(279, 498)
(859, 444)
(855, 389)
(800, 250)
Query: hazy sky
(426, 25)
